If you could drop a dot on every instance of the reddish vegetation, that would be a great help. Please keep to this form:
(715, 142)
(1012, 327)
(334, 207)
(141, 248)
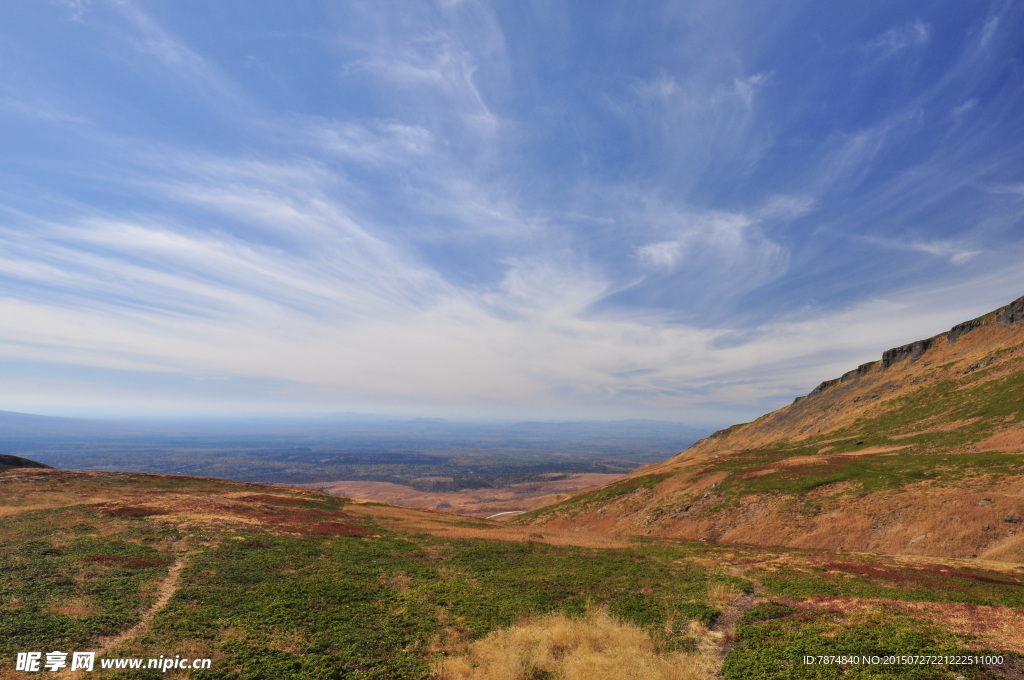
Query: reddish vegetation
(192, 503)
(927, 575)
(133, 511)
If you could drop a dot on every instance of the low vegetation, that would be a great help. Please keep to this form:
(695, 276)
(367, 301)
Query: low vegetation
(596, 498)
(780, 641)
(284, 583)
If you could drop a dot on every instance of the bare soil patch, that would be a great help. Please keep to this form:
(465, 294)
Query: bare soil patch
(472, 502)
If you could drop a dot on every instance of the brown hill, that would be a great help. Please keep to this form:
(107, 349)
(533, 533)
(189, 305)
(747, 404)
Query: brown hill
(921, 452)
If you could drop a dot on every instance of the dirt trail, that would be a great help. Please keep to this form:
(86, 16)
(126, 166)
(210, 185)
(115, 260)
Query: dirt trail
(165, 591)
(722, 633)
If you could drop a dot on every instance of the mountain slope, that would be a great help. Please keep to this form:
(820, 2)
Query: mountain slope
(921, 452)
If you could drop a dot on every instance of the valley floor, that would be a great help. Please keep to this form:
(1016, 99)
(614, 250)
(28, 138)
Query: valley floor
(519, 497)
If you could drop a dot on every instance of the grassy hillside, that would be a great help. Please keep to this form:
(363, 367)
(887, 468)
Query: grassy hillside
(921, 452)
(275, 582)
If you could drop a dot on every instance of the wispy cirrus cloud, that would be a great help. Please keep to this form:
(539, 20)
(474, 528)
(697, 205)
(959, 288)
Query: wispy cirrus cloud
(471, 209)
(955, 252)
(915, 33)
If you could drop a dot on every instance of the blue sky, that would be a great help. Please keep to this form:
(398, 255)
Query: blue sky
(691, 211)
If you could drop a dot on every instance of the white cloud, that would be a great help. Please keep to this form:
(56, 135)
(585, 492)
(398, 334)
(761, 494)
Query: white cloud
(1012, 189)
(727, 251)
(958, 112)
(439, 73)
(383, 143)
(661, 87)
(988, 32)
(956, 252)
(746, 87)
(663, 255)
(76, 8)
(912, 34)
(199, 77)
(784, 207)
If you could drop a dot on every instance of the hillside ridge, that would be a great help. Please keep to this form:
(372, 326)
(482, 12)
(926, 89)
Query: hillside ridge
(1011, 314)
(8, 462)
(920, 452)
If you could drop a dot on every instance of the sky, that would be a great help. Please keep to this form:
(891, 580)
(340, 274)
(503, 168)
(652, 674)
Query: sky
(690, 211)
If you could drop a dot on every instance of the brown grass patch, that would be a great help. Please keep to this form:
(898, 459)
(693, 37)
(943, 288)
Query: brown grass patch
(948, 426)
(76, 607)
(126, 561)
(721, 595)
(595, 647)
(1007, 440)
(274, 500)
(399, 582)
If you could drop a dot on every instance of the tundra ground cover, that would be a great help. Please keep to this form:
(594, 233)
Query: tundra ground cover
(288, 583)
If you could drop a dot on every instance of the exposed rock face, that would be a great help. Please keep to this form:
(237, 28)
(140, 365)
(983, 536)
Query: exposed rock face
(11, 462)
(963, 328)
(1012, 314)
(863, 369)
(911, 352)
(824, 386)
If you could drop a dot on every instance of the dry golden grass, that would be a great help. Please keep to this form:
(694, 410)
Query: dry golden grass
(1008, 440)
(721, 595)
(595, 647)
